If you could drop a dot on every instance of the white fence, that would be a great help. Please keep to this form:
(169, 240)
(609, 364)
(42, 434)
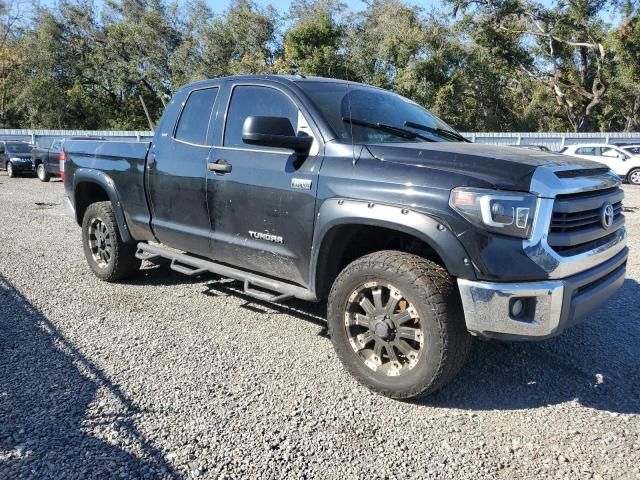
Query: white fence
(43, 138)
(554, 141)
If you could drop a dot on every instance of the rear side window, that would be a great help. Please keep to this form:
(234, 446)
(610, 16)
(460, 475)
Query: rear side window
(249, 100)
(586, 151)
(194, 120)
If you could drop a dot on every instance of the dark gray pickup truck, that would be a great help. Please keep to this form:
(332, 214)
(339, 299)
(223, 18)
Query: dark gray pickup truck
(329, 190)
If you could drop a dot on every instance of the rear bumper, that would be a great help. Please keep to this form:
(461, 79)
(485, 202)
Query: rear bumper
(550, 306)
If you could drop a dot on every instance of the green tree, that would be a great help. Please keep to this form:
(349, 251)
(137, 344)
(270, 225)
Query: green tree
(315, 40)
(560, 47)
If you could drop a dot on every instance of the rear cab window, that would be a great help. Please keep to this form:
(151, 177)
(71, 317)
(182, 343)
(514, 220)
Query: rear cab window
(193, 123)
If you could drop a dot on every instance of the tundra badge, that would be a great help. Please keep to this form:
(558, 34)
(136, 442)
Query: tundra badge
(301, 183)
(266, 236)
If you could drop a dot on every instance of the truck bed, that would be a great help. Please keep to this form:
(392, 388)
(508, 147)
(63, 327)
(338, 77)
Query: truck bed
(123, 164)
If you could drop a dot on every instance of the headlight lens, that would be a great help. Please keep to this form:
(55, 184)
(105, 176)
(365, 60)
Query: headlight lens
(501, 212)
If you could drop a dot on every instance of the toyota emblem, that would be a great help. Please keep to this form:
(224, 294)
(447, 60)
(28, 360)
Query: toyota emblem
(606, 216)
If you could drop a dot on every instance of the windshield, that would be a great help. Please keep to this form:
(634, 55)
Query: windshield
(375, 115)
(18, 147)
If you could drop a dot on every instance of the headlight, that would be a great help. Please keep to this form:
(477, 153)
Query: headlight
(501, 212)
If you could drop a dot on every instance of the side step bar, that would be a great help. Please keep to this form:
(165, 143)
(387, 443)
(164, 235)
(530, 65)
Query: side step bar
(190, 265)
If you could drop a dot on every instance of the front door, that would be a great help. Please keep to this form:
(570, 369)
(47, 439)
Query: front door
(614, 159)
(177, 171)
(263, 207)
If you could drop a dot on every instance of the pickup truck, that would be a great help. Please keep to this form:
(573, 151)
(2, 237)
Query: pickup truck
(328, 190)
(47, 160)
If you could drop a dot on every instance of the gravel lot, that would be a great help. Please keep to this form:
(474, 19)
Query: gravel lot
(171, 377)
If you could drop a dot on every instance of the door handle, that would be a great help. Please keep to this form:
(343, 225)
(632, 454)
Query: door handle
(220, 167)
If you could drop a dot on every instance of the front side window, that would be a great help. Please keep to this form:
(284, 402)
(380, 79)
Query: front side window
(367, 114)
(256, 101)
(194, 120)
(610, 152)
(586, 151)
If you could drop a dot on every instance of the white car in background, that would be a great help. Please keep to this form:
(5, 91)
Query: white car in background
(624, 163)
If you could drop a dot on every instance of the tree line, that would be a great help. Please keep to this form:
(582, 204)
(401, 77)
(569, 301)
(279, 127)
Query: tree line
(482, 65)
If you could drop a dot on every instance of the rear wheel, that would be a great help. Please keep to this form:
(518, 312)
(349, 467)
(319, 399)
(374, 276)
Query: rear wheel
(109, 257)
(634, 176)
(11, 172)
(396, 323)
(43, 176)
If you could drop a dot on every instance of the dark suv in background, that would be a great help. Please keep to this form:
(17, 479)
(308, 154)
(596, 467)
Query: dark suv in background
(16, 157)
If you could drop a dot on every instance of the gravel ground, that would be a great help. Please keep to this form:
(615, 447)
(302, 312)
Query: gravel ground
(170, 377)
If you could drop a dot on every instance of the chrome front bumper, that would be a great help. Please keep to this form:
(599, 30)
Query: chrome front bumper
(550, 306)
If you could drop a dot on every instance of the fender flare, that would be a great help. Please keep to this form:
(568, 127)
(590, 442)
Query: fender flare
(429, 229)
(83, 175)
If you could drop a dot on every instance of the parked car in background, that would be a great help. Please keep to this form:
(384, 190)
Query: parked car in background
(624, 163)
(540, 148)
(47, 160)
(15, 157)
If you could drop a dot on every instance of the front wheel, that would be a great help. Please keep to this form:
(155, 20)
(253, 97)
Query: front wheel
(396, 323)
(109, 257)
(11, 172)
(634, 176)
(43, 175)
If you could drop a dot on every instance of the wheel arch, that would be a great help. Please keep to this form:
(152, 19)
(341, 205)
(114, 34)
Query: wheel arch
(90, 186)
(341, 221)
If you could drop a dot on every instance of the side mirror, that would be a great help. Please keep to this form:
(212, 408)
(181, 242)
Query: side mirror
(1, 148)
(274, 132)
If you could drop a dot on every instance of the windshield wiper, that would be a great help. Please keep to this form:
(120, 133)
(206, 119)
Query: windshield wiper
(442, 132)
(400, 132)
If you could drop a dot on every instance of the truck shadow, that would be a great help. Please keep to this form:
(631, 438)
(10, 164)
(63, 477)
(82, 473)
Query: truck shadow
(48, 428)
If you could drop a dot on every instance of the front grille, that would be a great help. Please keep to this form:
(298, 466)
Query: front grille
(576, 224)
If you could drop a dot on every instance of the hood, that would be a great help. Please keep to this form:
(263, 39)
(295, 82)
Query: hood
(507, 168)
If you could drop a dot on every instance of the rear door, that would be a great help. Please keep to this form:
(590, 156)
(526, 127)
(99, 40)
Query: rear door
(177, 175)
(262, 209)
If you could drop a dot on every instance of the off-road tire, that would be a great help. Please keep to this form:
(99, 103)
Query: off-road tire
(123, 262)
(433, 293)
(42, 173)
(633, 177)
(11, 170)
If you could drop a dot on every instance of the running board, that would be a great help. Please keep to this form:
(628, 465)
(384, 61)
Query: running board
(277, 291)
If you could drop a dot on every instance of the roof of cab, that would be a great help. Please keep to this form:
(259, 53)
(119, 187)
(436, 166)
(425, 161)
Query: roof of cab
(272, 78)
